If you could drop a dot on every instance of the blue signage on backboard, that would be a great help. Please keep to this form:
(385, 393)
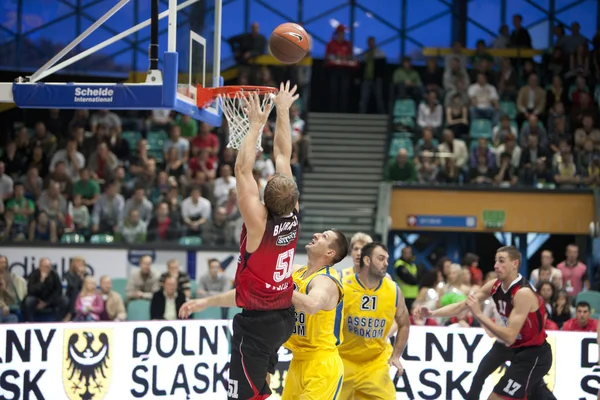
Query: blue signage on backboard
(442, 221)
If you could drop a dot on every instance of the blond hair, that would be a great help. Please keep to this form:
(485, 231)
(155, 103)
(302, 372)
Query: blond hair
(84, 290)
(360, 237)
(281, 195)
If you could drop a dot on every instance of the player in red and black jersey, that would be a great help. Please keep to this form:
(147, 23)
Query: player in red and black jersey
(523, 316)
(263, 281)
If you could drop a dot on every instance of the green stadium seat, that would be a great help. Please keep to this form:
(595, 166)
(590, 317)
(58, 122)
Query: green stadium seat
(593, 298)
(405, 108)
(190, 241)
(509, 108)
(193, 287)
(102, 239)
(138, 310)
(119, 285)
(403, 135)
(70, 238)
(209, 313)
(405, 123)
(132, 137)
(434, 141)
(481, 128)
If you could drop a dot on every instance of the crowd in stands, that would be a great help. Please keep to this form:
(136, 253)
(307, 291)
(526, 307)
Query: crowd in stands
(482, 120)
(126, 178)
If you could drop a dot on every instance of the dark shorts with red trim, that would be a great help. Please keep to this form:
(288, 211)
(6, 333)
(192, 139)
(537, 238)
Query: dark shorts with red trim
(257, 337)
(524, 378)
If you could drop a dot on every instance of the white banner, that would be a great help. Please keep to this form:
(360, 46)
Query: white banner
(189, 360)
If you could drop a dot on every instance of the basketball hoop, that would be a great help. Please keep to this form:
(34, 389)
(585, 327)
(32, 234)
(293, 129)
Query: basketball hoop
(233, 107)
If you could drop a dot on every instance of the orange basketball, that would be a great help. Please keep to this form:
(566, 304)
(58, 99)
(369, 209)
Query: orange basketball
(289, 43)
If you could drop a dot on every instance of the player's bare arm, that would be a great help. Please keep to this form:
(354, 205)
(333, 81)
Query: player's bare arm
(402, 320)
(452, 310)
(225, 299)
(524, 302)
(253, 211)
(282, 144)
(323, 295)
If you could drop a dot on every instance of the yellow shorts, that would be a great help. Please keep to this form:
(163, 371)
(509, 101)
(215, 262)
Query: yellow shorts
(368, 381)
(317, 378)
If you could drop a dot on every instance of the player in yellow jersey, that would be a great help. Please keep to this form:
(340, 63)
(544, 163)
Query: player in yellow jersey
(316, 370)
(356, 243)
(371, 305)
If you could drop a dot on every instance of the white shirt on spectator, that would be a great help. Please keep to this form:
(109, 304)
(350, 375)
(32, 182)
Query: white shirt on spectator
(555, 276)
(430, 118)
(161, 116)
(460, 152)
(191, 210)
(6, 186)
(62, 155)
(516, 155)
(182, 145)
(483, 94)
(222, 188)
(266, 167)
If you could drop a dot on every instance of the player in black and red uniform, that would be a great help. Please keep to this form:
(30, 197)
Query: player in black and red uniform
(523, 316)
(263, 281)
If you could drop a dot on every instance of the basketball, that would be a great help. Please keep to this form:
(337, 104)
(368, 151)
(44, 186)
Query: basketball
(289, 43)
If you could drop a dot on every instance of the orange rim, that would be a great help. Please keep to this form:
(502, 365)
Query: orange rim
(205, 96)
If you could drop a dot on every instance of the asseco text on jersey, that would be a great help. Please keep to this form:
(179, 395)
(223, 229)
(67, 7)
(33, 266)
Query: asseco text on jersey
(370, 328)
(285, 226)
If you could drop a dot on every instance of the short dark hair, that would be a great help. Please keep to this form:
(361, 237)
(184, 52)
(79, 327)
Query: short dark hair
(513, 253)
(212, 260)
(546, 283)
(583, 304)
(340, 246)
(368, 249)
(470, 258)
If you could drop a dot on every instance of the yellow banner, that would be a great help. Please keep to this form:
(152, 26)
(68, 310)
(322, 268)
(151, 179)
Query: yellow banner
(463, 210)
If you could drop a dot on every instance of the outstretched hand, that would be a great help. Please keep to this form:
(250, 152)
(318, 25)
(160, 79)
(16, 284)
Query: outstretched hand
(253, 108)
(286, 96)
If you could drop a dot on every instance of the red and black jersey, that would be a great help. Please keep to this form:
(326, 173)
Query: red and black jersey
(532, 333)
(263, 280)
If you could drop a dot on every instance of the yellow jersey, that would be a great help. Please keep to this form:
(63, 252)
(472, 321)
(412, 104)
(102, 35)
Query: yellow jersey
(321, 331)
(347, 273)
(368, 316)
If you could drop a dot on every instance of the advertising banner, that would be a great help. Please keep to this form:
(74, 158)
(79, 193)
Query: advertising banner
(189, 360)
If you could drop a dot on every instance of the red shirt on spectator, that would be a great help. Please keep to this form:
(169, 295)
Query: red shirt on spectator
(206, 141)
(338, 46)
(573, 326)
(551, 325)
(163, 227)
(195, 165)
(476, 275)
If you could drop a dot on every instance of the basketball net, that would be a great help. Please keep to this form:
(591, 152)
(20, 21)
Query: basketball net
(239, 124)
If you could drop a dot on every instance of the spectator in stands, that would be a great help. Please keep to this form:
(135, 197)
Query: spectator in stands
(33, 184)
(566, 174)
(520, 37)
(72, 159)
(455, 149)
(132, 229)
(373, 72)
(587, 131)
(481, 173)
(427, 289)
(482, 150)
(574, 272)
(454, 283)
(87, 188)
(408, 275)
(547, 291)
(484, 100)
(401, 168)
(42, 229)
(430, 113)
(471, 261)
(227, 223)
(582, 321)
(455, 73)
(455, 54)
(12, 231)
(160, 119)
(533, 127)
(507, 81)
(461, 90)
(6, 300)
(166, 303)
(54, 204)
(531, 100)
(174, 166)
(41, 137)
(162, 227)
(338, 49)
(181, 277)
(118, 146)
(507, 174)
(108, 210)
(139, 202)
(187, 125)
(89, 305)
(407, 81)
(195, 212)
(22, 207)
(555, 275)
(457, 117)
(502, 131)
(214, 282)
(143, 282)
(557, 63)
(80, 216)
(6, 184)
(102, 163)
(433, 77)
(114, 308)
(137, 165)
(38, 160)
(206, 140)
(562, 310)
(248, 45)
(105, 118)
(61, 177)
(44, 292)
(223, 184)
(586, 108)
(591, 172)
(502, 41)
(201, 163)
(14, 162)
(15, 285)
(175, 140)
(427, 168)
(586, 156)
(532, 152)
(426, 144)
(575, 39)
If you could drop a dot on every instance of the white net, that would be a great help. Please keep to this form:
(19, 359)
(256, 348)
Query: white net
(233, 108)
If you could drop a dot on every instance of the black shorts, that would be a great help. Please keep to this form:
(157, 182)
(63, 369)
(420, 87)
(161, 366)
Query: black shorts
(257, 337)
(528, 366)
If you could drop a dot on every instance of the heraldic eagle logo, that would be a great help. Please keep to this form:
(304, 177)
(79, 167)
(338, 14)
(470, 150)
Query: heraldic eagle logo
(87, 363)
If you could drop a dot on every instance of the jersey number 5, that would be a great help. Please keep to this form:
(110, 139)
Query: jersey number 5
(283, 269)
(368, 303)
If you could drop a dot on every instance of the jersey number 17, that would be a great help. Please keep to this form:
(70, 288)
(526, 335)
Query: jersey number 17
(283, 269)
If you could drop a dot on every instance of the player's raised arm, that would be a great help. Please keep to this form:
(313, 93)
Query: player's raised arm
(523, 302)
(225, 299)
(253, 211)
(323, 295)
(402, 320)
(452, 310)
(282, 145)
